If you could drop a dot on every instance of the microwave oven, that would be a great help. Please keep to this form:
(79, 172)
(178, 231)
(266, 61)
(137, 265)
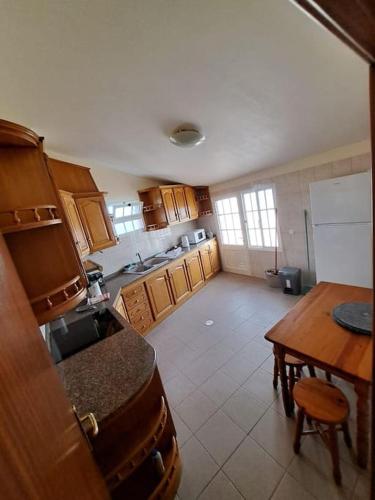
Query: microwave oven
(196, 236)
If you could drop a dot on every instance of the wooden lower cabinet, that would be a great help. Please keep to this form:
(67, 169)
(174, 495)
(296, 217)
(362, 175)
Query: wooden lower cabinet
(120, 307)
(123, 447)
(179, 281)
(160, 294)
(194, 269)
(210, 259)
(137, 307)
(215, 257)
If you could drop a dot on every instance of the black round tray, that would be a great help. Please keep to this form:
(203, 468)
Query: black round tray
(354, 316)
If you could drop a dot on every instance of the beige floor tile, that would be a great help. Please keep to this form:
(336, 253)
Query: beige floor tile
(362, 487)
(240, 366)
(183, 431)
(220, 436)
(290, 489)
(219, 387)
(178, 388)
(253, 472)
(220, 488)
(196, 409)
(313, 469)
(268, 364)
(198, 469)
(260, 384)
(275, 434)
(244, 409)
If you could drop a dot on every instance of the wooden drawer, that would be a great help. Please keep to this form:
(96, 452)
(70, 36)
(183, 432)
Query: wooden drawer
(141, 317)
(135, 301)
(143, 325)
(133, 291)
(138, 310)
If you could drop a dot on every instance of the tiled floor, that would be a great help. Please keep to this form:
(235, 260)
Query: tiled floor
(235, 440)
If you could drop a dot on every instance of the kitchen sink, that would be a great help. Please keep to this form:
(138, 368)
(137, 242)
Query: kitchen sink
(145, 267)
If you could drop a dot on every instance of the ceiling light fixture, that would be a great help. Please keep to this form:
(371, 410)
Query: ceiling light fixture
(186, 137)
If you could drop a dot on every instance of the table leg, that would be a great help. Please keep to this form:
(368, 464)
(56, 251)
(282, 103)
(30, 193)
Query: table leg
(362, 390)
(280, 353)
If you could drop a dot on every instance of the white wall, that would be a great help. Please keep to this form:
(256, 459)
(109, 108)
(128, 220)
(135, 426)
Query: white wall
(292, 198)
(123, 187)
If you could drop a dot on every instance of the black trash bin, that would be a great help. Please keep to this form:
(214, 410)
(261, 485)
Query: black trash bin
(290, 278)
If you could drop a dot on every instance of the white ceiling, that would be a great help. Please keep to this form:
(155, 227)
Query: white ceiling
(106, 81)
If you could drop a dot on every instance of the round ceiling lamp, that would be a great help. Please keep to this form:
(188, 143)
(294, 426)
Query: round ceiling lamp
(186, 137)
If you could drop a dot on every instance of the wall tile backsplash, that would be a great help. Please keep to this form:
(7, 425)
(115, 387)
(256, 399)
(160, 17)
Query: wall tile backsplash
(146, 243)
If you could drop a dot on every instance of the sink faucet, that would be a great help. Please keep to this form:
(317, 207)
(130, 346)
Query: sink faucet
(139, 257)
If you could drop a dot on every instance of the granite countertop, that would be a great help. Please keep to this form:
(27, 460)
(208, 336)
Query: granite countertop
(106, 375)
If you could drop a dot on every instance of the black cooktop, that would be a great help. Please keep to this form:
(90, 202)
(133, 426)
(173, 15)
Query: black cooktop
(64, 340)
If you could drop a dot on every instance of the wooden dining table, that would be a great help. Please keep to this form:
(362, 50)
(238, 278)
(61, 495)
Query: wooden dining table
(309, 333)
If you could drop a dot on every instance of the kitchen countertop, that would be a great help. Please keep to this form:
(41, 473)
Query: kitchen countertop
(108, 374)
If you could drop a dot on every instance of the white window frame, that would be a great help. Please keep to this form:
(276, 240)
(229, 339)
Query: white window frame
(135, 215)
(256, 189)
(243, 230)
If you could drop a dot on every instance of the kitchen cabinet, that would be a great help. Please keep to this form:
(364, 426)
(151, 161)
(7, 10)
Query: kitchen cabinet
(160, 294)
(170, 205)
(95, 220)
(34, 226)
(215, 257)
(191, 202)
(181, 204)
(75, 223)
(137, 307)
(206, 261)
(120, 307)
(209, 254)
(179, 281)
(195, 272)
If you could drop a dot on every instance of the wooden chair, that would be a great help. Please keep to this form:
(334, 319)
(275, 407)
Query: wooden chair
(324, 404)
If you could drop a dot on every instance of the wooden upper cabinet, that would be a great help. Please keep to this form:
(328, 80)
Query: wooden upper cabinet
(170, 205)
(195, 272)
(191, 202)
(206, 261)
(75, 223)
(181, 204)
(160, 294)
(95, 220)
(179, 281)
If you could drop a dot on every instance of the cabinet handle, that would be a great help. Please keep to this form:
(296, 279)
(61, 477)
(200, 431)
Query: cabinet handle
(89, 424)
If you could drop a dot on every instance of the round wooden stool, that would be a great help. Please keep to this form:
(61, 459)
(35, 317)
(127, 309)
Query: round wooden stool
(323, 403)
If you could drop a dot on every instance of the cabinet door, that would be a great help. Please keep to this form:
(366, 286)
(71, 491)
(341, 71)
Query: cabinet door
(160, 294)
(181, 203)
(179, 281)
(120, 308)
(191, 202)
(206, 261)
(214, 255)
(170, 205)
(75, 223)
(95, 219)
(195, 273)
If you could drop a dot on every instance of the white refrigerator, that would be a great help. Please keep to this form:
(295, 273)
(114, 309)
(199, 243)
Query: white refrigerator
(342, 229)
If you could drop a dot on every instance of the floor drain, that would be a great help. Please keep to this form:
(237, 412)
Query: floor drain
(209, 322)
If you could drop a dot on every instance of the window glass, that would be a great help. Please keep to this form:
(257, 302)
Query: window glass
(126, 217)
(260, 217)
(229, 221)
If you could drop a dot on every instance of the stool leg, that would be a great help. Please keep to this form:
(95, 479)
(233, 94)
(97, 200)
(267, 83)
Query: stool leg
(311, 371)
(299, 429)
(275, 373)
(291, 381)
(347, 438)
(328, 377)
(298, 372)
(334, 449)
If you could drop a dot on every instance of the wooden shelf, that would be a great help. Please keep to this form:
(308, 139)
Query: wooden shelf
(202, 197)
(205, 212)
(26, 218)
(152, 208)
(136, 456)
(155, 227)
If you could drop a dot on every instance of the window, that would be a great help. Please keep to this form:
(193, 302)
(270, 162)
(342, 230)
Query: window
(229, 221)
(260, 218)
(126, 217)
